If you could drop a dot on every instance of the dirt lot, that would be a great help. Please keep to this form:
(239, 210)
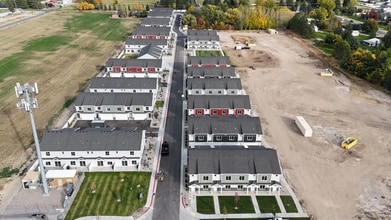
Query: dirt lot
(59, 75)
(331, 183)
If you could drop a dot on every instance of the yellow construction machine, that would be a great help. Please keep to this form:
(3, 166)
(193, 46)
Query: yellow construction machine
(349, 142)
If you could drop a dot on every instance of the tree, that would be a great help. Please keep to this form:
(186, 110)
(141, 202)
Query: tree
(189, 20)
(93, 187)
(386, 41)
(299, 24)
(370, 27)
(21, 4)
(85, 6)
(10, 4)
(329, 5)
(341, 50)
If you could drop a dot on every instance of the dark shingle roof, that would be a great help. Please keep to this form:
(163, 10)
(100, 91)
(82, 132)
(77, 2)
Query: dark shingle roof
(202, 33)
(224, 125)
(152, 50)
(211, 72)
(214, 83)
(218, 101)
(160, 12)
(233, 159)
(158, 31)
(203, 38)
(93, 140)
(134, 62)
(134, 41)
(209, 60)
(125, 99)
(122, 83)
(155, 21)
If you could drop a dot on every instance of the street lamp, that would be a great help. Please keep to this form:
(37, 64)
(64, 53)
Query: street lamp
(28, 104)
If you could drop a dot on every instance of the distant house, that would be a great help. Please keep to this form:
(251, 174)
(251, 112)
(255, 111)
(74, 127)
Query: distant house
(229, 130)
(202, 39)
(156, 22)
(211, 72)
(161, 13)
(123, 85)
(96, 149)
(134, 67)
(218, 105)
(114, 106)
(373, 42)
(233, 168)
(214, 86)
(134, 46)
(150, 52)
(208, 61)
(142, 32)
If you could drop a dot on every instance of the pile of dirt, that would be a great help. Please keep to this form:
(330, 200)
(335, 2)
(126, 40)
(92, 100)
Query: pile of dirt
(243, 39)
(252, 58)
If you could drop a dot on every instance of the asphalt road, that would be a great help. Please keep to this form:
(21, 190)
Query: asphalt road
(38, 14)
(167, 199)
(345, 20)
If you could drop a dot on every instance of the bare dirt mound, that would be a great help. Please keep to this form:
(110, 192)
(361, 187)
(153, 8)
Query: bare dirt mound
(252, 58)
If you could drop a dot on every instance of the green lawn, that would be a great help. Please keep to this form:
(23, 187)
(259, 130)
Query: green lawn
(257, 219)
(151, 3)
(268, 204)
(245, 205)
(325, 48)
(205, 205)
(289, 204)
(205, 53)
(110, 188)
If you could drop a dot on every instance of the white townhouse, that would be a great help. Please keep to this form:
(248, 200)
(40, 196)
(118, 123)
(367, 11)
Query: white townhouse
(93, 149)
(134, 46)
(218, 105)
(211, 72)
(214, 86)
(123, 85)
(233, 168)
(228, 130)
(156, 22)
(143, 32)
(202, 40)
(208, 61)
(114, 106)
(142, 68)
(161, 13)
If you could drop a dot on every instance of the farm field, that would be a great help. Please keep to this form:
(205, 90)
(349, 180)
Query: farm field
(282, 77)
(60, 51)
(110, 194)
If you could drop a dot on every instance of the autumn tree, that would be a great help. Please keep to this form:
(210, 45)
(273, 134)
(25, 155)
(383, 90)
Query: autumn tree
(189, 20)
(370, 27)
(341, 50)
(329, 5)
(85, 6)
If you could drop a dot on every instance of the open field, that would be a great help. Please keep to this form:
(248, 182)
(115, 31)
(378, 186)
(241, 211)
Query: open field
(284, 81)
(111, 196)
(59, 52)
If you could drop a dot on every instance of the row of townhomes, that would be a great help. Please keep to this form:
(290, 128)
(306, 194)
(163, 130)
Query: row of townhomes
(224, 138)
(127, 91)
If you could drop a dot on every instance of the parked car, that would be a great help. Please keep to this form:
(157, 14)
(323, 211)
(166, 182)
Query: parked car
(165, 148)
(69, 189)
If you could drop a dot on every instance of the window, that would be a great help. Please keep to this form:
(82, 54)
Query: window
(262, 187)
(224, 112)
(95, 90)
(137, 109)
(107, 153)
(73, 163)
(210, 92)
(147, 108)
(264, 177)
(109, 163)
(118, 109)
(108, 109)
(219, 138)
(219, 92)
(197, 92)
(82, 163)
(205, 186)
(205, 178)
(89, 109)
(200, 138)
(250, 138)
(240, 186)
(227, 187)
(47, 153)
(47, 163)
(134, 162)
(98, 108)
(57, 163)
(241, 177)
(79, 108)
(131, 152)
(231, 138)
(150, 91)
(134, 90)
(214, 112)
(112, 90)
(100, 163)
(128, 108)
(228, 178)
(124, 163)
(232, 92)
(73, 153)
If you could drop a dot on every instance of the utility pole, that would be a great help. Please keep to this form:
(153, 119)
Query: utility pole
(28, 104)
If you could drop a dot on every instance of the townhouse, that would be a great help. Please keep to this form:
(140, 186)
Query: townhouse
(208, 61)
(143, 32)
(142, 68)
(214, 86)
(134, 46)
(218, 105)
(233, 168)
(161, 13)
(156, 22)
(202, 40)
(93, 149)
(123, 85)
(211, 72)
(114, 106)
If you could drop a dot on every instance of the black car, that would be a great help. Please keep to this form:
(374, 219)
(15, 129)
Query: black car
(165, 148)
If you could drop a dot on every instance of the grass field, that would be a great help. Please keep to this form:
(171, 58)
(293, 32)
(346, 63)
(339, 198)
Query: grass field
(244, 205)
(268, 204)
(60, 51)
(109, 188)
(289, 204)
(151, 3)
(205, 205)
(205, 53)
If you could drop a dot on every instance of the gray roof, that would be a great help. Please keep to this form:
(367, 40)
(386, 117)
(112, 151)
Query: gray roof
(155, 21)
(160, 12)
(92, 140)
(123, 83)
(158, 31)
(135, 41)
(233, 160)
(225, 72)
(202, 33)
(209, 60)
(203, 38)
(218, 101)
(224, 125)
(134, 63)
(123, 99)
(152, 50)
(214, 83)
